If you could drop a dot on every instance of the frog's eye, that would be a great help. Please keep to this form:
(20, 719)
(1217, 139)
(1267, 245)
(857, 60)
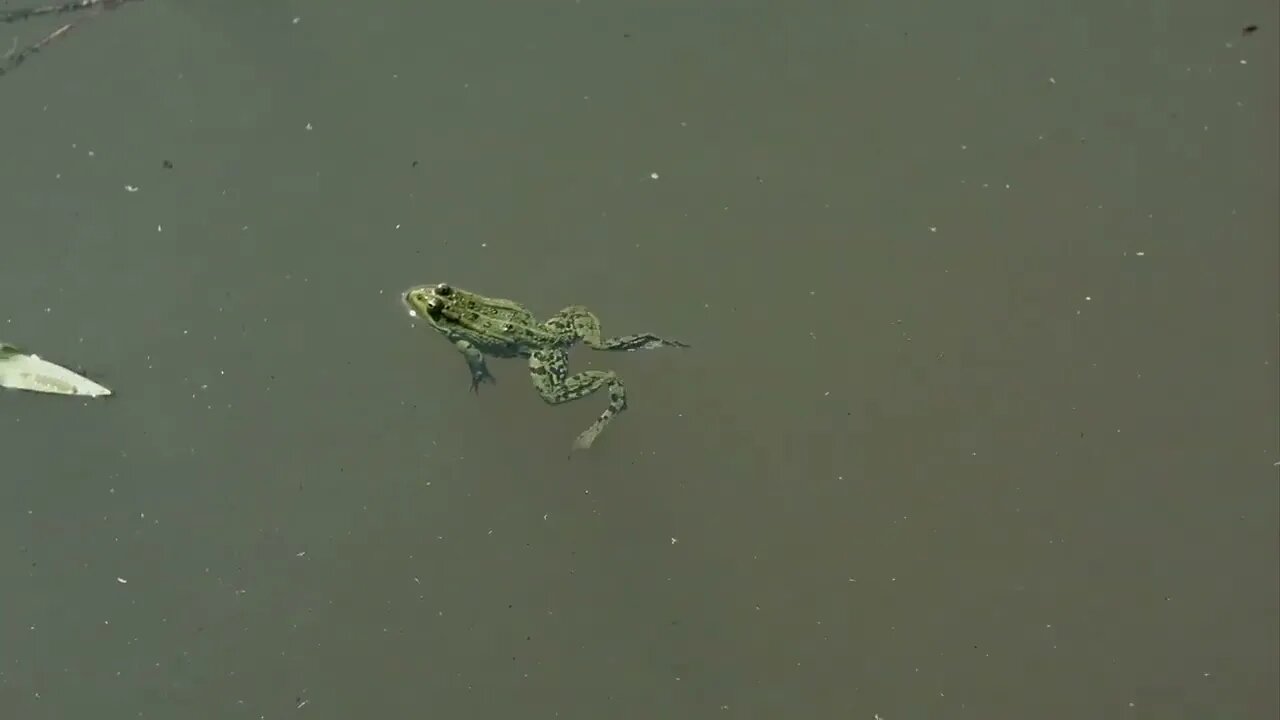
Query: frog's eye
(434, 306)
(443, 290)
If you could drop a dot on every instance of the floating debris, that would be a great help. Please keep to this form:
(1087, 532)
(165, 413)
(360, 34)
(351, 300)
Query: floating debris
(15, 57)
(21, 370)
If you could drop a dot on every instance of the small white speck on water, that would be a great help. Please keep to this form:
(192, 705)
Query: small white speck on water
(1087, 297)
(397, 226)
(309, 126)
(159, 228)
(653, 175)
(1052, 81)
(933, 228)
(297, 20)
(131, 188)
(122, 581)
(675, 540)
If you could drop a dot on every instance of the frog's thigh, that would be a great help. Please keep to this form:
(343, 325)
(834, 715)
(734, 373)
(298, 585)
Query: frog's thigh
(578, 321)
(549, 370)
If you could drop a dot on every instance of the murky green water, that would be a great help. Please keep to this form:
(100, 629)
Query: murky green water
(979, 421)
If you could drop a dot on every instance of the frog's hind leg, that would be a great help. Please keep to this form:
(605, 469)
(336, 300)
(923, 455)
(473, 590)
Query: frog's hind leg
(550, 372)
(584, 324)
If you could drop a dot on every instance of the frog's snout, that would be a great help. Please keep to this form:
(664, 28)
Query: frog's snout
(407, 298)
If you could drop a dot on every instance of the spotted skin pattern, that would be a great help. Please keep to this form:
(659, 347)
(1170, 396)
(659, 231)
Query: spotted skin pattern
(480, 326)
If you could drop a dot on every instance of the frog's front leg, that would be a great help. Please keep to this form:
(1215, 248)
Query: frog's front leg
(579, 322)
(550, 372)
(475, 362)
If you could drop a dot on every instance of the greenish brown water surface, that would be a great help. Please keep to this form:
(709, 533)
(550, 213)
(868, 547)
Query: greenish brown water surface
(979, 421)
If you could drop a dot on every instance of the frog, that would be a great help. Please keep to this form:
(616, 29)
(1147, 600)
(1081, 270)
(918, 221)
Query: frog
(480, 327)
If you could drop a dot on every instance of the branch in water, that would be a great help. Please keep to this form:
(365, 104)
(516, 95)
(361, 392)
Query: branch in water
(12, 16)
(15, 57)
(12, 60)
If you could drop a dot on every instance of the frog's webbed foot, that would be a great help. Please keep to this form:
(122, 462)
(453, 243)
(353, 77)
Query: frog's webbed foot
(550, 373)
(475, 362)
(582, 323)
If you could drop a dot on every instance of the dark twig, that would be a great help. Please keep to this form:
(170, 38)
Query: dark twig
(12, 16)
(12, 59)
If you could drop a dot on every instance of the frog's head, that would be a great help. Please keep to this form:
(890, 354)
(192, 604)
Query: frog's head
(428, 301)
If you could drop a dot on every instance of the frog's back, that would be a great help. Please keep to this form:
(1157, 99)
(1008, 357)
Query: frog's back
(504, 332)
